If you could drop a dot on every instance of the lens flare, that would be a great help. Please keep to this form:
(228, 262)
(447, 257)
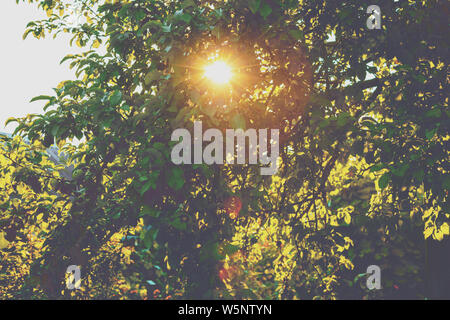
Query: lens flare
(218, 72)
(233, 206)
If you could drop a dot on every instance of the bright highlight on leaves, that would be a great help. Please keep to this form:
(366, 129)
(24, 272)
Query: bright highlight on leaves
(3, 242)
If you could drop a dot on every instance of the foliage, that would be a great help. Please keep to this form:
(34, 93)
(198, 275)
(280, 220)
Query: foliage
(363, 120)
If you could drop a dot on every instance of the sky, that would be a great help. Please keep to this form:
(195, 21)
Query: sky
(30, 67)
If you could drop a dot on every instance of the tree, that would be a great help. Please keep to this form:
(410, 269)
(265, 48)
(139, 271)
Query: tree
(351, 104)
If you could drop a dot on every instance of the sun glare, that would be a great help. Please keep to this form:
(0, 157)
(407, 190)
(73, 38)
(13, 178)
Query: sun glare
(218, 72)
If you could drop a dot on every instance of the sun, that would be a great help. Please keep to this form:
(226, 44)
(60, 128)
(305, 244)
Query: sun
(218, 72)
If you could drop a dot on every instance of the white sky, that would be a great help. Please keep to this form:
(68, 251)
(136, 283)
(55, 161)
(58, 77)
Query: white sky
(30, 67)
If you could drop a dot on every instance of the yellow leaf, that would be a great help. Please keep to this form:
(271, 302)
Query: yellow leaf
(427, 213)
(3, 242)
(445, 229)
(428, 232)
(347, 218)
(334, 221)
(439, 235)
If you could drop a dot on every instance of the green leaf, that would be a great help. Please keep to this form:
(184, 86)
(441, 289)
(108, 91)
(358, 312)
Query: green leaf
(115, 98)
(67, 57)
(296, 34)
(187, 4)
(430, 133)
(361, 72)
(145, 187)
(253, 5)
(400, 171)
(433, 113)
(152, 76)
(139, 15)
(178, 224)
(229, 249)
(342, 119)
(446, 183)
(107, 122)
(149, 211)
(166, 28)
(265, 10)
(377, 167)
(11, 120)
(41, 98)
(149, 237)
(54, 130)
(186, 17)
(384, 181)
(175, 178)
(125, 107)
(116, 215)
